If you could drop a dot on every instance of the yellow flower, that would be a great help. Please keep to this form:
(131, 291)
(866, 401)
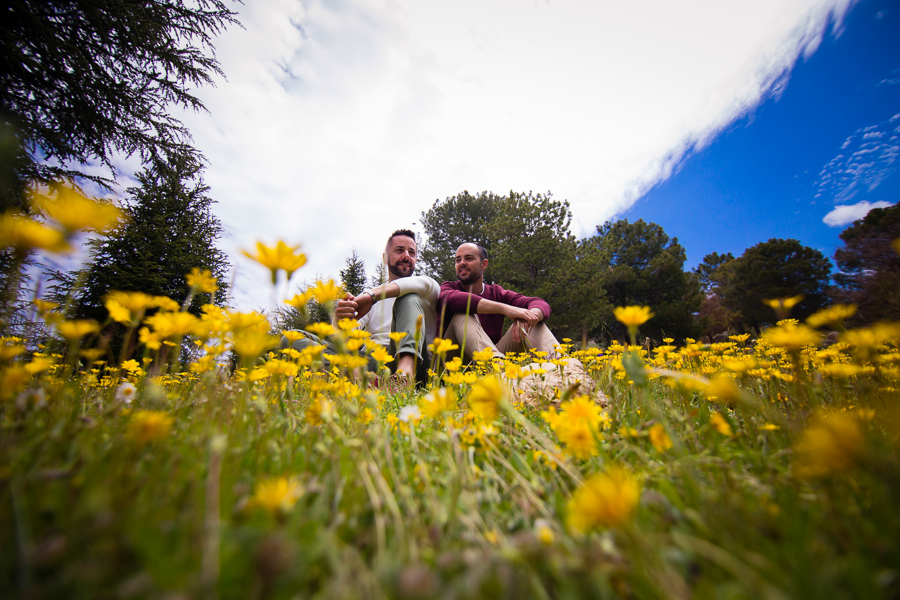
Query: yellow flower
(381, 355)
(117, 312)
(832, 315)
(10, 351)
(722, 389)
(23, 234)
(453, 365)
(832, 443)
(39, 365)
(251, 321)
(605, 500)
(319, 409)
(782, 305)
(278, 495)
(299, 300)
(659, 438)
(77, 329)
(129, 307)
(544, 531)
(791, 337)
(347, 325)
(13, 380)
(485, 397)
(579, 438)
(281, 367)
(165, 303)
(281, 257)
(633, 316)
(173, 324)
(720, 424)
(365, 416)
(327, 291)
(321, 329)
(441, 347)
(454, 378)
(397, 336)
(250, 343)
(148, 426)
(438, 401)
(840, 370)
(202, 281)
(76, 212)
(483, 355)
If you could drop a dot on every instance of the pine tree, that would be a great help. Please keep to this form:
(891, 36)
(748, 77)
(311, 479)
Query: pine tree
(381, 276)
(170, 229)
(354, 276)
(85, 80)
(776, 269)
(646, 268)
(870, 265)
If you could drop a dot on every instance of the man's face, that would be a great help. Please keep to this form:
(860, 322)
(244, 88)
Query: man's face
(469, 264)
(401, 256)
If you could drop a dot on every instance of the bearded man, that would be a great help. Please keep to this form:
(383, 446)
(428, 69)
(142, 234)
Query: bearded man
(474, 311)
(394, 307)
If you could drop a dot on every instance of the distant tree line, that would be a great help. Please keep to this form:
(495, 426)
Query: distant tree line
(531, 250)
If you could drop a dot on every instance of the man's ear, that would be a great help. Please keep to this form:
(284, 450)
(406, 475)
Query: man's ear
(484, 263)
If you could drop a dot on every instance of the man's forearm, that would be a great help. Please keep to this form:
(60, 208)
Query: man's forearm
(388, 290)
(489, 307)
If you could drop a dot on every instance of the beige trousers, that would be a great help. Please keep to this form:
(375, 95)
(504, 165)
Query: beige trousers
(467, 329)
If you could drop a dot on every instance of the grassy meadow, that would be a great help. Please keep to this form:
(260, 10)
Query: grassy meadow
(751, 468)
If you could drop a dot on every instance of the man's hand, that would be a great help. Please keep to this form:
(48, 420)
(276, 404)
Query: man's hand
(523, 320)
(346, 308)
(364, 303)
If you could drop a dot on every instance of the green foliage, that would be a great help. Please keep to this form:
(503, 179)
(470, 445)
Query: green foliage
(381, 276)
(455, 221)
(535, 254)
(530, 250)
(354, 275)
(776, 269)
(84, 80)
(870, 266)
(170, 229)
(710, 272)
(646, 268)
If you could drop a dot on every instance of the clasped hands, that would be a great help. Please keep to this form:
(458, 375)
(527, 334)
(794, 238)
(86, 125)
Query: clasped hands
(353, 307)
(523, 320)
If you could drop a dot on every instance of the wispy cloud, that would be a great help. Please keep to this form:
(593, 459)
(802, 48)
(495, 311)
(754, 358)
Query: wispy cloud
(866, 159)
(341, 121)
(847, 213)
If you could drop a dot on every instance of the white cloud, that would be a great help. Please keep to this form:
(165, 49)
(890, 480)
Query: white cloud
(847, 213)
(865, 161)
(341, 121)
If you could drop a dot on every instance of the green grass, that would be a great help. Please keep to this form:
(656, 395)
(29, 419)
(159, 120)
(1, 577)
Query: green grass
(87, 512)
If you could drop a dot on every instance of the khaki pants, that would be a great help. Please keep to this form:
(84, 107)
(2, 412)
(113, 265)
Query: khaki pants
(467, 329)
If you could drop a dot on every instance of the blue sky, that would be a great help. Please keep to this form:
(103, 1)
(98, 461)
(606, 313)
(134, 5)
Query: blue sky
(826, 140)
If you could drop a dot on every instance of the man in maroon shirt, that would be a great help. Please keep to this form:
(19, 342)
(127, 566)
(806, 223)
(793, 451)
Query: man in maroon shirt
(473, 311)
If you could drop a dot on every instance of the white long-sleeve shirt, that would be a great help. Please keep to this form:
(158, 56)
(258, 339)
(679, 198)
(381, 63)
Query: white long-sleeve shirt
(378, 320)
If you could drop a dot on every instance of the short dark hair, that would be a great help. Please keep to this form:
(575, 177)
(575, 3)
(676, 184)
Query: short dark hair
(481, 249)
(405, 232)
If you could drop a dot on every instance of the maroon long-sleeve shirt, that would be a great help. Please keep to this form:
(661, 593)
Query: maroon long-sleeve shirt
(454, 300)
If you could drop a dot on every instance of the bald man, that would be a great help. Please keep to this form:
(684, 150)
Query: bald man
(473, 311)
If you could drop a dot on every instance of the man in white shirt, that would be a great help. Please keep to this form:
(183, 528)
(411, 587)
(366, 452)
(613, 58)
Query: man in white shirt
(396, 306)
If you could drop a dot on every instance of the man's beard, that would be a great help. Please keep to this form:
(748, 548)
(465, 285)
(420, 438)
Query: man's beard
(469, 278)
(396, 272)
